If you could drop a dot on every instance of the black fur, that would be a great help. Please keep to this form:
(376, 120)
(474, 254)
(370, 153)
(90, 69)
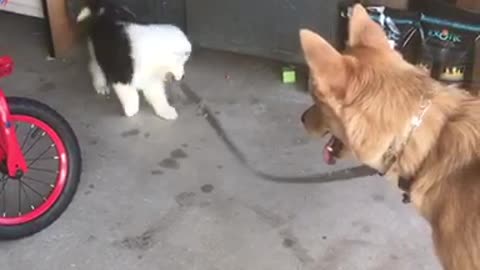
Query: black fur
(110, 40)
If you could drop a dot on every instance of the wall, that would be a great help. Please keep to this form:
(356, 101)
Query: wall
(158, 11)
(266, 28)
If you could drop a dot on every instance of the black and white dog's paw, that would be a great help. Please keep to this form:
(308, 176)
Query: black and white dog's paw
(102, 90)
(168, 113)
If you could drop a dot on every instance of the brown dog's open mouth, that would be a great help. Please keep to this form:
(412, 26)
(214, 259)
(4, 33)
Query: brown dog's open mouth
(332, 150)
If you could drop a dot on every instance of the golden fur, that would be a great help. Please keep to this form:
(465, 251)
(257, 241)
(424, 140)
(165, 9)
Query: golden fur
(368, 96)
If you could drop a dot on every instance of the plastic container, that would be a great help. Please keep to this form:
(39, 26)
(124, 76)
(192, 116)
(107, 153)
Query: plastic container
(401, 27)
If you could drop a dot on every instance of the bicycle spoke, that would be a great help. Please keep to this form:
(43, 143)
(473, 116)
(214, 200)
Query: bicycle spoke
(4, 178)
(19, 198)
(43, 170)
(34, 191)
(35, 132)
(44, 158)
(32, 207)
(26, 137)
(42, 154)
(33, 144)
(38, 181)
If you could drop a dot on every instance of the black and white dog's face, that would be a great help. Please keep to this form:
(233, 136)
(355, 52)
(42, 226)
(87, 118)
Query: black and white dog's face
(95, 9)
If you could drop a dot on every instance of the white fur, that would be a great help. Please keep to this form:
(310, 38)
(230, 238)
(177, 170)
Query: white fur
(128, 96)
(155, 95)
(157, 50)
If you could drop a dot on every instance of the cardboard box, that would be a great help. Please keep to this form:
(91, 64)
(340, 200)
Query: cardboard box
(471, 5)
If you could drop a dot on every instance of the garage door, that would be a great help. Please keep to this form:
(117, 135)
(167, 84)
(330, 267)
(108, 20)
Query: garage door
(25, 7)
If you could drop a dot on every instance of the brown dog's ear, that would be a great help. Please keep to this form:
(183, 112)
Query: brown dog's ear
(326, 64)
(363, 31)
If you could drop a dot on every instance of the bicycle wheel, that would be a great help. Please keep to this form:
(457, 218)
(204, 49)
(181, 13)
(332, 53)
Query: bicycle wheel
(30, 204)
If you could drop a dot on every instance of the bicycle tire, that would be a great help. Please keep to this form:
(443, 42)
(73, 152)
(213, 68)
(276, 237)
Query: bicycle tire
(40, 111)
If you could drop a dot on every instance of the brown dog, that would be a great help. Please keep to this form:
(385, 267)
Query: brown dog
(393, 117)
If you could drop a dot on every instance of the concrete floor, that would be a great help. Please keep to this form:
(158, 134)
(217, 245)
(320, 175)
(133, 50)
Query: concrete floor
(171, 195)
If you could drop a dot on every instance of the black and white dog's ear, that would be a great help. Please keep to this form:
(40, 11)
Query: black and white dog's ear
(84, 14)
(89, 9)
(96, 8)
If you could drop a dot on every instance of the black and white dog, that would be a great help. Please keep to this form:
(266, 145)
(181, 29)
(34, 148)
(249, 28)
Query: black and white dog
(131, 57)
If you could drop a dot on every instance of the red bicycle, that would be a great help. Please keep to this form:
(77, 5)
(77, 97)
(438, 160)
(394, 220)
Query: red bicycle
(40, 164)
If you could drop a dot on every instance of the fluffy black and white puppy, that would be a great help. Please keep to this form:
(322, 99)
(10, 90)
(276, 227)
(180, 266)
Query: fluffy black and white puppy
(131, 57)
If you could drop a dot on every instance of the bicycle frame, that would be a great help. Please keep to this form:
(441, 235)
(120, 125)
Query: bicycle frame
(10, 150)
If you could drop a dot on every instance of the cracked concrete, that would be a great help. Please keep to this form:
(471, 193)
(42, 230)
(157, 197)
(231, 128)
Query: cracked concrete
(171, 195)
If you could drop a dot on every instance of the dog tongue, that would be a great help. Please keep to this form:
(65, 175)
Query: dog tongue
(328, 154)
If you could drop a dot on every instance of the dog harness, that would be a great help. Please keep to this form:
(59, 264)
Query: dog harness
(395, 151)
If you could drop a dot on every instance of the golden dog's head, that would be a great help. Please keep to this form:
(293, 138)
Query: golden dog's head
(365, 96)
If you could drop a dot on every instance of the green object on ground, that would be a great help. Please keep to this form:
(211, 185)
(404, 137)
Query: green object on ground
(289, 75)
